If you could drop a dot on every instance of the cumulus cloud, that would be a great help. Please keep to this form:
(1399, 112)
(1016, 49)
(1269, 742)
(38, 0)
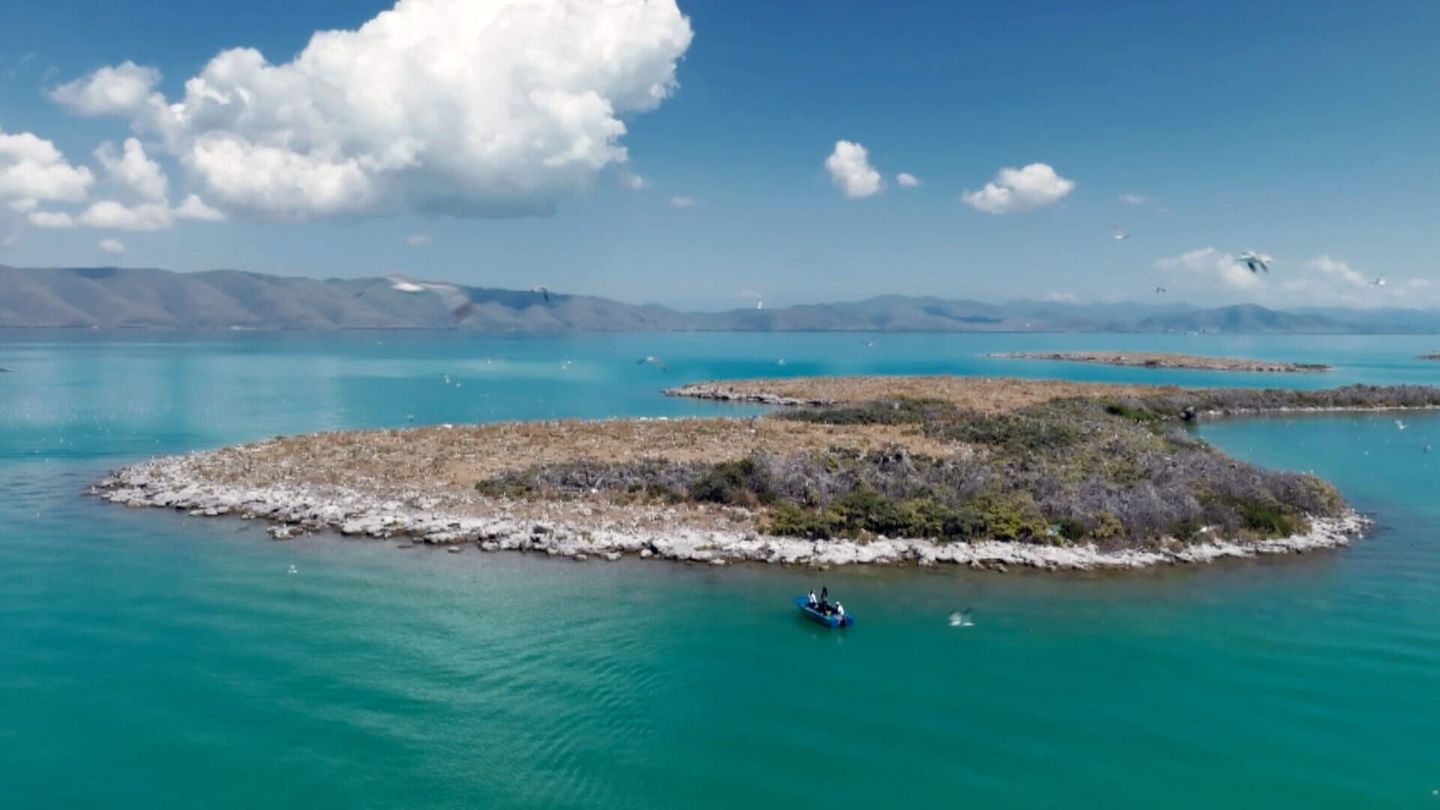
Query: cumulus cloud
(192, 207)
(112, 246)
(906, 180)
(133, 170)
(1034, 186)
(112, 215)
(497, 108)
(850, 170)
(50, 219)
(683, 202)
(32, 171)
(1206, 267)
(122, 89)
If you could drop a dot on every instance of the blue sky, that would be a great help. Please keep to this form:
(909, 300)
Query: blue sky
(1307, 131)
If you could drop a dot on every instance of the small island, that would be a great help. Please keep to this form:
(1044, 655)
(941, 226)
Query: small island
(1165, 360)
(917, 470)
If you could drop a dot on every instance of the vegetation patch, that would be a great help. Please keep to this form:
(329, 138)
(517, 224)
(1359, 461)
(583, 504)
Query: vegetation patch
(1119, 472)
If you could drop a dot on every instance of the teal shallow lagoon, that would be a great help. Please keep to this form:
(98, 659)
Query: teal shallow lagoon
(151, 659)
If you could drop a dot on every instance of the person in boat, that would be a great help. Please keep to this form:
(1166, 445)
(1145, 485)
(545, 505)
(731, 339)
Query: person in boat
(824, 606)
(812, 600)
(840, 612)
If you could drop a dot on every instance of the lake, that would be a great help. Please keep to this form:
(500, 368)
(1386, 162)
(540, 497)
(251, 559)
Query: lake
(150, 659)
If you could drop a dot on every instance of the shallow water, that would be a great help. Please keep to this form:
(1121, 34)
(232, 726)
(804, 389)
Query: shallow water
(152, 659)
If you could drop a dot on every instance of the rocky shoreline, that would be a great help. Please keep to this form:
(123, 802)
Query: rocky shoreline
(1171, 361)
(171, 483)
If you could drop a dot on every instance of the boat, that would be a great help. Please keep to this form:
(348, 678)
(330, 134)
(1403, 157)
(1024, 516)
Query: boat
(814, 615)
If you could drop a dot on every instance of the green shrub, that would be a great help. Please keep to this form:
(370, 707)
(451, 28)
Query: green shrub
(1269, 519)
(1133, 412)
(731, 482)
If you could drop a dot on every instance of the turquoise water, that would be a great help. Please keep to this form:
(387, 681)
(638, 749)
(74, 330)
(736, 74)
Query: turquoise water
(149, 659)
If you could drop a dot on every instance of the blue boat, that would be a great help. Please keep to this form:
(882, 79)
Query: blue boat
(814, 615)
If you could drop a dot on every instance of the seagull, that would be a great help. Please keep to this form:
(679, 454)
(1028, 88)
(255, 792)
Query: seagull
(961, 619)
(759, 304)
(869, 341)
(456, 298)
(780, 361)
(1400, 425)
(1120, 234)
(1379, 281)
(1255, 261)
(1160, 290)
(293, 569)
(542, 290)
(651, 360)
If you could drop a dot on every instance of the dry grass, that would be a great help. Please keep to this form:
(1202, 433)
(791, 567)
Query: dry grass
(983, 394)
(458, 457)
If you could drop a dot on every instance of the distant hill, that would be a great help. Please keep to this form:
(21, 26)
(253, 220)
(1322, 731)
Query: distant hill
(134, 298)
(1247, 318)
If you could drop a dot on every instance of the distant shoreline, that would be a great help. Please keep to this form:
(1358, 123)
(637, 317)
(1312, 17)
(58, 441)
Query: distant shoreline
(152, 299)
(1168, 361)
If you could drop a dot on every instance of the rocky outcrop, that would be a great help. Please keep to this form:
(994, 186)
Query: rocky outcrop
(170, 483)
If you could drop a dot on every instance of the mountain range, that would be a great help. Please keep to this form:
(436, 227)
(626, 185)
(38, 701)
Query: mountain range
(138, 298)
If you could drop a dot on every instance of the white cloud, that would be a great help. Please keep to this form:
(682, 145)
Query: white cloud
(683, 202)
(1134, 199)
(418, 240)
(192, 207)
(906, 180)
(112, 246)
(1325, 280)
(632, 181)
(850, 170)
(133, 170)
(50, 219)
(1321, 281)
(1012, 190)
(1203, 269)
(112, 215)
(32, 170)
(124, 89)
(498, 108)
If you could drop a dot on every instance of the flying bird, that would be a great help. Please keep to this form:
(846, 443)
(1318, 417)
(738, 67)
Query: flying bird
(1160, 290)
(455, 298)
(1256, 262)
(651, 360)
(961, 618)
(1400, 425)
(1119, 233)
(542, 290)
(1378, 281)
